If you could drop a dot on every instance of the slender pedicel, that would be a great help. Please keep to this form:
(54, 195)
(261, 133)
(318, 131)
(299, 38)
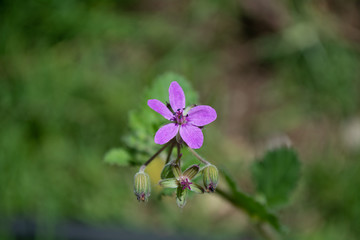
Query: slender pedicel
(170, 151)
(178, 154)
(142, 168)
(201, 159)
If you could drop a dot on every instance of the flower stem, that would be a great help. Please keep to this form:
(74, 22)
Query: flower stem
(142, 168)
(170, 151)
(201, 159)
(178, 154)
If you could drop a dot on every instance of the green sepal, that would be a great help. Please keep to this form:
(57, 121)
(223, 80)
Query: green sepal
(167, 172)
(197, 188)
(181, 196)
(169, 183)
(176, 170)
(191, 171)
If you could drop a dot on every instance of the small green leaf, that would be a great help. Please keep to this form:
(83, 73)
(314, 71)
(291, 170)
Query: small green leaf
(276, 175)
(118, 156)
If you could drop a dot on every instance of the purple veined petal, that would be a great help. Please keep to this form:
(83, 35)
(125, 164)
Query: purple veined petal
(176, 96)
(192, 135)
(166, 133)
(201, 115)
(159, 107)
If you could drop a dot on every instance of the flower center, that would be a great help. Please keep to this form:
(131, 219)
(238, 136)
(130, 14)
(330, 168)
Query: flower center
(185, 183)
(179, 117)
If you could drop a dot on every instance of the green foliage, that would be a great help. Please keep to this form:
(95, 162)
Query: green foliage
(305, 56)
(247, 203)
(118, 156)
(276, 175)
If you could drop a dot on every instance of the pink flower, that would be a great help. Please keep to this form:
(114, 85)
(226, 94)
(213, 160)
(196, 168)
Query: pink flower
(185, 122)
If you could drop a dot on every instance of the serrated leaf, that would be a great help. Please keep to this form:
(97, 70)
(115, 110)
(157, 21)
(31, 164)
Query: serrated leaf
(276, 175)
(118, 156)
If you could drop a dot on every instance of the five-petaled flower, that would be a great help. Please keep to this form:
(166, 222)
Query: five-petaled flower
(187, 121)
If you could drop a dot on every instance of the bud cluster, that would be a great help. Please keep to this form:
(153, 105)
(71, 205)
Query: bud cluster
(183, 181)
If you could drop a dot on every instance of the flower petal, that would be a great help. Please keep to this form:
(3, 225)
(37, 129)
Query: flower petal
(192, 135)
(166, 133)
(176, 96)
(201, 115)
(159, 107)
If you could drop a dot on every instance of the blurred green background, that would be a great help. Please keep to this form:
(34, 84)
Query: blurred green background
(275, 71)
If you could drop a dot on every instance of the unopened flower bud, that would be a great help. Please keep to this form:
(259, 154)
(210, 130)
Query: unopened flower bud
(142, 186)
(210, 177)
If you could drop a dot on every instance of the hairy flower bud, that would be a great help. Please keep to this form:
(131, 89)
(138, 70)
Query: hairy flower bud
(210, 177)
(142, 186)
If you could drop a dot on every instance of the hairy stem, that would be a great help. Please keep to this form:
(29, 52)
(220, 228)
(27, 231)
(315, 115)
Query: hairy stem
(142, 168)
(170, 151)
(232, 200)
(178, 154)
(263, 232)
(201, 159)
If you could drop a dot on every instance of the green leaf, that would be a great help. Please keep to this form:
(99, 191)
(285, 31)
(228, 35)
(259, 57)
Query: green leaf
(118, 156)
(247, 203)
(276, 175)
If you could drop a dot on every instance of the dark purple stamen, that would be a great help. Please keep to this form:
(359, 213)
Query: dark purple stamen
(141, 197)
(185, 184)
(179, 118)
(211, 187)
